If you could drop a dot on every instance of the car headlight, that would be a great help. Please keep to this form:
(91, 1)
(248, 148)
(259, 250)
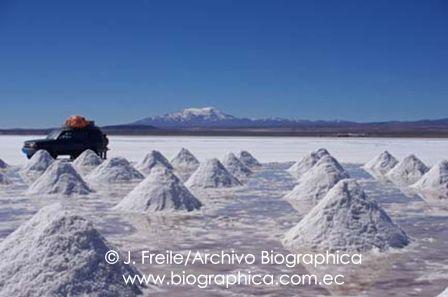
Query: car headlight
(32, 144)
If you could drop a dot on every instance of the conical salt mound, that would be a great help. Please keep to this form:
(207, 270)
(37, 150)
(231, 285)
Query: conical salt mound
(4, 180)
(236, 167)
(408, 171)
(212, 174)
(161, 190)
(87, 161)
(37, 165)
(57, 253)
(59, 178)
(346, 220)
(308, 161)
(382, 163)
(444, 293)
(151, 160)
(435, 181)
(114, 170)
(185, 162)
(247, 159)
(3, 164)
(315, 184)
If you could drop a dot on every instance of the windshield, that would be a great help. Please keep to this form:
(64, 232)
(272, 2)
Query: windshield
(54, 134)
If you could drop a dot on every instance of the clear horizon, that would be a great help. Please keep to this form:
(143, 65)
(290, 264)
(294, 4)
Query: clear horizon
(120, 61)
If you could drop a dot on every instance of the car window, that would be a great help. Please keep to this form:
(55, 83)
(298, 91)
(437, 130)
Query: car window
(66, 135)
(54, 134)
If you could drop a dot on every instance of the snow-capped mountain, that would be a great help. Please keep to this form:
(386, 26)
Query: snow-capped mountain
(189, 117)
(210, 117)
(197, 114)
(206, 113)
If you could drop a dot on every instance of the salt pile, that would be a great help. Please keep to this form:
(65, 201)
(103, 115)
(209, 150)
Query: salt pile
(185, 163)
(435, 181)
(315, 183)
(408, 171)
(307, 162)
(3, 165)
(247, 159)
(382, 163)
(151, 160)
(87, 161)
(37, 165)
(346, 220)
(236, 167)
(116, 169)
(59, 178)
(444, 293)
(57, 253)
(212, 174)
(161, 190)
(4, 180)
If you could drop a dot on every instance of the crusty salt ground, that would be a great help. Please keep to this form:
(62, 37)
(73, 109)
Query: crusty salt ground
(161, 190)
(212, 174)
(57, 253)
(184, 163)
(315, 183)
(382, 163)
(3, 164)
(37, 165)
(247, 159)
(86, 162)
(346, 220)
(4, 180)
(435, 181)
(60, 178)
(307, 162)
(408, 171)
(152, 159)
(114, 170)
(236, 167)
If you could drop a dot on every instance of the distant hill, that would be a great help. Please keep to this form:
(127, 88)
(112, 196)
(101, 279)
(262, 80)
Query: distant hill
(113, 130)
(127, 129)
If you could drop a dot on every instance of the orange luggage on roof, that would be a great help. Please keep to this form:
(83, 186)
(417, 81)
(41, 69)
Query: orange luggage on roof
(77, 122)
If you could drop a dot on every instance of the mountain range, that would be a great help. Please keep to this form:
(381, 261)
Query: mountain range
(210, 117)
(209, 121)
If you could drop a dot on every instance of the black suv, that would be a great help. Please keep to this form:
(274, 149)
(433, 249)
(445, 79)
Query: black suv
(69, 141)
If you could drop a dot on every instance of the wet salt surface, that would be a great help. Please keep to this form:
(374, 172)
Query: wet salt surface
(254, 218)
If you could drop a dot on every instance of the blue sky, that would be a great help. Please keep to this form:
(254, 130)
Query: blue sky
(118, 61)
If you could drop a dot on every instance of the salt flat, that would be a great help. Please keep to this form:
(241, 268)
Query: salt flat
(266, 149)
(255, 217)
